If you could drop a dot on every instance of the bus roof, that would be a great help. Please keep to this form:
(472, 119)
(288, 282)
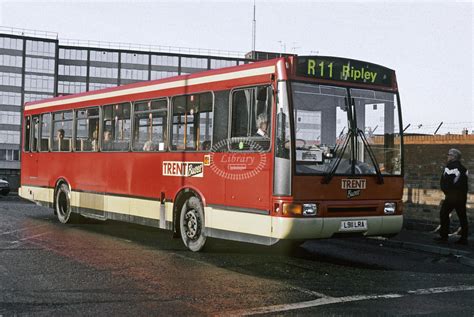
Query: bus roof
(257, 69)
(323, 69)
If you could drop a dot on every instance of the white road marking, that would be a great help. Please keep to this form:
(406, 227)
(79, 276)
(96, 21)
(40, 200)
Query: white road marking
(29, 238)
(335, 300)
(447, 289)
(310, 292)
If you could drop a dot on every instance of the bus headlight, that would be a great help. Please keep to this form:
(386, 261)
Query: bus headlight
(390, 208)
(310, 209)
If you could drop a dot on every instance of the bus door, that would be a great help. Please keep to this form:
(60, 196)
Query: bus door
(248, 163)
(248, 181)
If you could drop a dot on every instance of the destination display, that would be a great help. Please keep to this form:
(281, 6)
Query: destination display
(342, 69)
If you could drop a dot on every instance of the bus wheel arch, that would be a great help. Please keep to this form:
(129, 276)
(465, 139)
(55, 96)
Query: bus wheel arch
(189, 219)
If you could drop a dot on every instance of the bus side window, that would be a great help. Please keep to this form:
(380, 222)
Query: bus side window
(262, 104)
(221, 120)
(116, 128)
(251, 119)
(150, 125)
(45, 132)
(62, 131)
(35, 135)
(27, 135)
(241, 105)
(87, 130)
(192, 122)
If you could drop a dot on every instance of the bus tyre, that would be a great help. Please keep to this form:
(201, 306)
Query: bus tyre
(191, 224)
(63, 204)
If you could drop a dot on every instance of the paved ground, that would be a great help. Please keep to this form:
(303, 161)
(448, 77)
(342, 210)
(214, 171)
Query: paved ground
(109, 268)
(423, 241)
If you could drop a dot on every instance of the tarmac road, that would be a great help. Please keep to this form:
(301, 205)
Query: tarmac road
(114, 268)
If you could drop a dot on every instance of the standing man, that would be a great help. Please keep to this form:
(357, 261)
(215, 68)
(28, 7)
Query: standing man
(454, 186)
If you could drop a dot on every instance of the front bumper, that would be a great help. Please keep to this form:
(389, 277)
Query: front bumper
(318, 228)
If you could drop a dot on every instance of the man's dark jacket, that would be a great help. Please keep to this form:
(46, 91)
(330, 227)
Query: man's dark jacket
(454, 182)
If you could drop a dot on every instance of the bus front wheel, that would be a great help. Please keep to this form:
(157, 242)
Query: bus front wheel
(191, 224)
(63, 204)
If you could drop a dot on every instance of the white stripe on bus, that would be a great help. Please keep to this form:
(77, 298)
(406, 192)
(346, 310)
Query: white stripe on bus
(216, 218)
(149, 88)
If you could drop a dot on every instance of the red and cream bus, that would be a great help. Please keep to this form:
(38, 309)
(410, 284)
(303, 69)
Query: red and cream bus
(294, 148)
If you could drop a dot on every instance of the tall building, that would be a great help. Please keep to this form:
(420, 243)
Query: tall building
(37, 65)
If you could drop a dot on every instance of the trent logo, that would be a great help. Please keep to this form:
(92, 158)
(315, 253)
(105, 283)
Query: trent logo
(183, 169)
(353, 186)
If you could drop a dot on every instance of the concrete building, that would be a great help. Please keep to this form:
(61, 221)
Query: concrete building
(36, 65)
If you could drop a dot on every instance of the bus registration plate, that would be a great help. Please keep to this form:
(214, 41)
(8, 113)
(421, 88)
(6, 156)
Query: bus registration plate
(353, 225)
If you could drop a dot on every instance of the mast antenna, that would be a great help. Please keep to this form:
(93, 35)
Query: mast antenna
(254, 27)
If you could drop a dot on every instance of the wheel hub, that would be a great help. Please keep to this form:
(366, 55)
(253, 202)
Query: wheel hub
(191, 225)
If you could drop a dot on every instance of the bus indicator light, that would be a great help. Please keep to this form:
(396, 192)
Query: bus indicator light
(290, 209)
(207, 160)
(295, 209)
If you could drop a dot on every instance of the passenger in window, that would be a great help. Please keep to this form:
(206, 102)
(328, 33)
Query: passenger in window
(60, 135)
(95, 142)
(107, 136)
(62, 144)
(107, 145)
(206, 145)
(149, 146)
(262, 124)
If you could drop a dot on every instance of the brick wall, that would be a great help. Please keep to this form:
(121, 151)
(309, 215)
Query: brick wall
(425, 158)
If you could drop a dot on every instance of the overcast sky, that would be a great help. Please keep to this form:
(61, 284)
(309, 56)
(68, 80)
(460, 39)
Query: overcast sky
(428, 43)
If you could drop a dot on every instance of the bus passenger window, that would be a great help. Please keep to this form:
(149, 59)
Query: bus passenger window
(150, 125)
(116, 127)
(62, 131)
(192, 122)
(87, 130)
(251, 119)
(45, 132)
(36, 127)
(27, 134)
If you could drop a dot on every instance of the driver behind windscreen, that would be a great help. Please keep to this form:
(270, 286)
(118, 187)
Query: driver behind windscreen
(262, 124)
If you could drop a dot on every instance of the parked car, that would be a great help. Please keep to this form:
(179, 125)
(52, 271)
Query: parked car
(4, 187)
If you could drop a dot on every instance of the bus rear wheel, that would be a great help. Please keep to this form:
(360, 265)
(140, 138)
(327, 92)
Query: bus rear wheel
(191, 224)
(63, 204)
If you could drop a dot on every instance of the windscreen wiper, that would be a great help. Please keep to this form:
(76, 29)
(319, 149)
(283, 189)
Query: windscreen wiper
(371, 155)
(327, 178)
